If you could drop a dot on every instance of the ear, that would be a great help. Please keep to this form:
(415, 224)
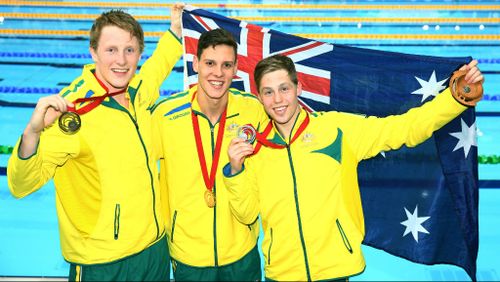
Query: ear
(235, 70)
(259, 98)
(93, 54)
(195, 64)
(299, 89)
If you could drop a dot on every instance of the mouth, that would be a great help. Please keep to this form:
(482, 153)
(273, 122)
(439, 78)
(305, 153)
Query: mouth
(120, 70)
(280, 110)
(216, 84)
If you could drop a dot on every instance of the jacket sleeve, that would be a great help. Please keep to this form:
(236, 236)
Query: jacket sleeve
(160, 64)
(26, 176)
(369, 136)
(242, 193)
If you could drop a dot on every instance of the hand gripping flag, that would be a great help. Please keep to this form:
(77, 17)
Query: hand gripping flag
(419, 203)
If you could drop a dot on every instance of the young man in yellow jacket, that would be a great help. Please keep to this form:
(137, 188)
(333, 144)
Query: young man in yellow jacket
(206, 241)
(94, 139)
(303, 181)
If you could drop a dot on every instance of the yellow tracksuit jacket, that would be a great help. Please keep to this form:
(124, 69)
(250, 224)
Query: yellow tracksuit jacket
(198, 235)
(107, 195)
(307, 194)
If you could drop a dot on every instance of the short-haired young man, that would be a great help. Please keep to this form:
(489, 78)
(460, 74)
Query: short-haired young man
(303, 181)
(207, 243)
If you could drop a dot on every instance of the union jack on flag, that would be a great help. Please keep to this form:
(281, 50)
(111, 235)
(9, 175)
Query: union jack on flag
(256, 43)
(419, 203)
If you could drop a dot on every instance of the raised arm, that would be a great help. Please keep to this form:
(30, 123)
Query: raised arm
(36, 156)
(167, 53)
(368, 136)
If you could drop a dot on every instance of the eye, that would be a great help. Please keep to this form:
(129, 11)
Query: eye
(130, 50)
(110, 50)
(267, 93)
(228, 65)
(209, 63)
(284, 89)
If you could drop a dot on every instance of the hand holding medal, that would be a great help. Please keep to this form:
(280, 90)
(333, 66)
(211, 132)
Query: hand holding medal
(467, 92)
(70, 121)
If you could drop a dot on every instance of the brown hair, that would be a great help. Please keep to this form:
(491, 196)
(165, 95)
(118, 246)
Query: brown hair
(214, 38)
(119, 19)
(274, 63)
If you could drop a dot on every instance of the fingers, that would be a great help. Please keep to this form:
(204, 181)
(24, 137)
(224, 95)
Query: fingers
(238, 150)
(179, 6)
(473, 74)
(55, 101)
(176, 18)
(46, 111)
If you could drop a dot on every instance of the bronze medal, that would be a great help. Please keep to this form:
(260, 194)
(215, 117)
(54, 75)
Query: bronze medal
(70, 123)
(464, 93)
(210, 198)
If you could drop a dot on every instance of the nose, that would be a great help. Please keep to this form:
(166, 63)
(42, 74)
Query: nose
(218, 71)
(278, 98)
(121, 58)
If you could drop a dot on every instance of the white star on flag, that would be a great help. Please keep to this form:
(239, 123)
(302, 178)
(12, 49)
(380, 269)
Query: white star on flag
(466, 138)
(414, 223)
(429, 88)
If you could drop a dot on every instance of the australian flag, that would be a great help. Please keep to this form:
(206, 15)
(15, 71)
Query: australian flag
(419, 203)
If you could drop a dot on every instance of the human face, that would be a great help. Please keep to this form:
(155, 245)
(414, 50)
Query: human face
(116, 57)
(279, 95)
(216, 68)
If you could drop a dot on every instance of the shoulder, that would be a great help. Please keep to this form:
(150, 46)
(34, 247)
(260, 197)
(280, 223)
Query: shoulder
(82, 86)
(244, 99)
(172, 103)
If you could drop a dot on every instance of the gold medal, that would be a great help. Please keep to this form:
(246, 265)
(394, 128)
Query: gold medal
(70, 122)
(210, 198)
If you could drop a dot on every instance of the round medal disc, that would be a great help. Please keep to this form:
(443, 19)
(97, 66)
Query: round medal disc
(465, 93)
(210, 199)
(70, 122)
(247, 132)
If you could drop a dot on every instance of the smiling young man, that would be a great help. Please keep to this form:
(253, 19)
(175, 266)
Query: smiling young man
(194, 128)
(94, 139)
(303, 180)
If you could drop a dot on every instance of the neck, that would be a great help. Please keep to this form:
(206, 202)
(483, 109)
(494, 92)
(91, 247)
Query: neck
(212, 108)
(286, 129)
(122, 100)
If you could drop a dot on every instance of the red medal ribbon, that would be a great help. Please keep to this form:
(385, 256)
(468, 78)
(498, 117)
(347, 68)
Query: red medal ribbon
(261, 137)
(209, 180)
(96, 101)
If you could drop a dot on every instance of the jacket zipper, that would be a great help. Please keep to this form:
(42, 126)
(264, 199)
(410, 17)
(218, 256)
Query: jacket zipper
(150, 175)
(216, 256)
(302, 240)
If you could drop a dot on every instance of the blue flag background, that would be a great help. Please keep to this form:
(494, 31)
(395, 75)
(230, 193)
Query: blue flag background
(419, 203)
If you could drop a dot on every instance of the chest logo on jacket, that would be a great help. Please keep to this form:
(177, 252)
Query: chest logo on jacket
(334, 149)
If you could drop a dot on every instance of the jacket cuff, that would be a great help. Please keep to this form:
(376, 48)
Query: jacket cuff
(227, 170)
